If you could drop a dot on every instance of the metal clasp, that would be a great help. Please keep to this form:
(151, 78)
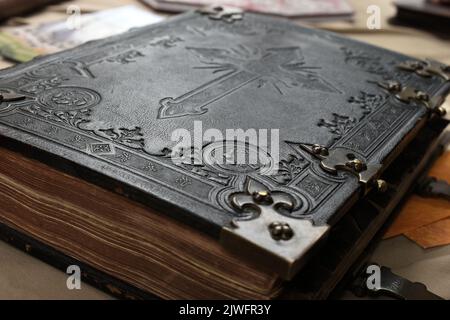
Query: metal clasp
(342, 159)
(407, 94)
(426, 68)
(227, 14)
(8, 95)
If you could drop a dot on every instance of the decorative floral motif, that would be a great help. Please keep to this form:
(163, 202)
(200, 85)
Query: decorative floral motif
(68, 98)
(191, 160)
(123, 156)
(128, 137)
(98, 148)
(73, 118)
(166, 42)
(339, 125)
(365, 61)
(149, 167)
(373, 64)
(183, 181)
(126, 57)
(314, 187)
(368, 101)
(377, 125)
(289, 168)
(42, 85)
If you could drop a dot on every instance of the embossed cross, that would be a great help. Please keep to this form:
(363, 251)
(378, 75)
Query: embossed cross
(281, 67)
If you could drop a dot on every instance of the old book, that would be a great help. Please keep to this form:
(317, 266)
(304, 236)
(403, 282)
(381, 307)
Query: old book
(92, 173)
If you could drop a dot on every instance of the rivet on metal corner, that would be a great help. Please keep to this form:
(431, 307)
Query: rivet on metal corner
(281, 231)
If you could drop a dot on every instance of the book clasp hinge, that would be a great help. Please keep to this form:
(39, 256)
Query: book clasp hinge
(341, 159)
(426, 68)
(408, 94)
(224, 13)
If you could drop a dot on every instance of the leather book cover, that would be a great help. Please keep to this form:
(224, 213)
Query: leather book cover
(107, 111)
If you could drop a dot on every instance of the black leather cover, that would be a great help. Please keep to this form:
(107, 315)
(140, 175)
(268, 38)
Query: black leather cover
(107, 110)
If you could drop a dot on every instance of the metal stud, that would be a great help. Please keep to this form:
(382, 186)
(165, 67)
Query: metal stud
(319, 150)
(407, 94)
(422, 96)
(440, 111)
(281, 231)
(262, 196)
(356, 165)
